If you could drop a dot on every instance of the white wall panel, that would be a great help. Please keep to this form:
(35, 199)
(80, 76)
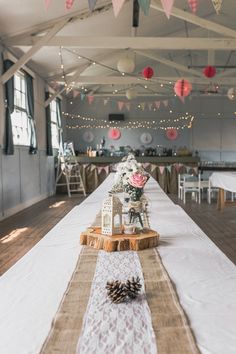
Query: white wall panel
(30, 179)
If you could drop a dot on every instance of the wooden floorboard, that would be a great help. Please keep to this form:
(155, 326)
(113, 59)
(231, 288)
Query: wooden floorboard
(19, 233)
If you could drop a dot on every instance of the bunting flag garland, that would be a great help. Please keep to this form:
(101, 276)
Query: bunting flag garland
(120, 105)
(161, 169)
(150, 106)
(169, 168)
(193, 4)
(142, 104)
(90, 99)
(117, 6)
(217, 5)
(82, 96)
(69, 4)
(157, 104)
(167, 6)
(145, 5)
(127, 105)
(75, 93)
(92, 4)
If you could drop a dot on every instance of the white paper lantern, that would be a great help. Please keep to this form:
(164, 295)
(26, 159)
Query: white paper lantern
(231, 93)
(126, 65)
(131, 93)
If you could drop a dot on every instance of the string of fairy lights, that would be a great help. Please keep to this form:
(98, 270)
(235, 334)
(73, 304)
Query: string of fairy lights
(182, 122)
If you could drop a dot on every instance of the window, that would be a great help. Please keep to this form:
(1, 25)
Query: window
(19, 118)
(55, 129)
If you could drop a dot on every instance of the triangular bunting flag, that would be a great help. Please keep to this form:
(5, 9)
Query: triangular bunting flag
(193, 4)
(90, 99)
(161, 169)
(92, 4)
(195, 169)
(217, 5)
(47, 3)
(150, 106)
(105, 102)
(169, 167)
(117, 6)
(120, 105)
(165, 102)
(146, 165)
(145, 5)
(75, 93)
(178, 166)
(167, 6)
(182, 99)
(153, 167)
(188, 168)
(82, 96)
(69, 4)
(143, 104)
(127, 105)
(157, 104)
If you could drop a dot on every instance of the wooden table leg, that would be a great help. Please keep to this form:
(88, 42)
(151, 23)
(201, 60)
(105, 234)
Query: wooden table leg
(221, 199)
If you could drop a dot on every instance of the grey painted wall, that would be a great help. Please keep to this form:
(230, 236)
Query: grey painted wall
(25, 179)
(213, 132)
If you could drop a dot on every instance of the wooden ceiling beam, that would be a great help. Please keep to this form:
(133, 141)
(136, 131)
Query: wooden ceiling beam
(196, 20)
(142, 43)
(34, 49)
(169, 63)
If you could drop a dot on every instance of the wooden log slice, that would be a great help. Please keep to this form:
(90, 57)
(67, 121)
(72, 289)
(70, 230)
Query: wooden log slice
(92, 237)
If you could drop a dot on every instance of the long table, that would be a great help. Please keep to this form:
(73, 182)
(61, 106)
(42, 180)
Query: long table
(205, 279)
(225, 181)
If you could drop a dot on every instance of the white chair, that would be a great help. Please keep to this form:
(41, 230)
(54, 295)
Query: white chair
(189, 183)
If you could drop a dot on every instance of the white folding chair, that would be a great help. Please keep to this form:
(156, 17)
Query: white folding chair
(189, 183)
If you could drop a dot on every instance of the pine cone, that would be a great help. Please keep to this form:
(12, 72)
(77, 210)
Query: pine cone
(116, 291)
(133, 287)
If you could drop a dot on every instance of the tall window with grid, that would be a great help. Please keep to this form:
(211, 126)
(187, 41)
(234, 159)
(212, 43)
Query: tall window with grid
(55, 126)
(19, 118)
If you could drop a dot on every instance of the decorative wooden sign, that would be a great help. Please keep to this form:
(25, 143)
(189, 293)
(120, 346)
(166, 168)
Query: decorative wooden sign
(92, 237)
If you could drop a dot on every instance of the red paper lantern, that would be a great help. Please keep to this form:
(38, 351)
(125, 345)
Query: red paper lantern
(209, 71)
(148, 72)
(182, 88)
(171, 133)
(114, 134)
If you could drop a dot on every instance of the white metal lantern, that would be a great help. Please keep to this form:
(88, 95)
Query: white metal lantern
(126, 65)
(111, 216)
(231, 94)
(131, 93)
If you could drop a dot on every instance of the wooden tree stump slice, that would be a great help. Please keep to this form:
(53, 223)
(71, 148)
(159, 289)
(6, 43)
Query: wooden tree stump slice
(92, 237)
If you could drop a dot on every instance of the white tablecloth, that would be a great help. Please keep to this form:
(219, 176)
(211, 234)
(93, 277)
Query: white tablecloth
(224, 180)
(205, 279)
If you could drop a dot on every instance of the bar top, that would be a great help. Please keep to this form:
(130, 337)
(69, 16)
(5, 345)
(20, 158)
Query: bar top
(144, 159)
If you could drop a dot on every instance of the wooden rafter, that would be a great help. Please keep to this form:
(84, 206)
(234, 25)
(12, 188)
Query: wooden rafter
(196, 20)
(35, 48)
(169, 63)
(142, 43)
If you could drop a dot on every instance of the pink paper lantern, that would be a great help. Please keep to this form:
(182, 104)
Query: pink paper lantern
(182, 88)
(114, 134)
(171, 133)
(209, 71)
(148, 72)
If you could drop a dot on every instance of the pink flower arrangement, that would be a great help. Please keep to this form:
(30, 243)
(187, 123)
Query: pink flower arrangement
(138, 180)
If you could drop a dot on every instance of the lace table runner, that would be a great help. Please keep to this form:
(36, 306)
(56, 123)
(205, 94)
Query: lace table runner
(111, 328)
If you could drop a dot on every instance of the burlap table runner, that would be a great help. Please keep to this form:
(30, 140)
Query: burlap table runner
(170, 324)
